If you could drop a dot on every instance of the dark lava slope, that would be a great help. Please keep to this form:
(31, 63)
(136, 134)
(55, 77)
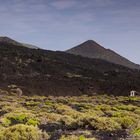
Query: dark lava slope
(44, 72)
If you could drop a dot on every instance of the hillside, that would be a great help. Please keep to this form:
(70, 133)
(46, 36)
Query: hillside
(44, 72)
(92, 49)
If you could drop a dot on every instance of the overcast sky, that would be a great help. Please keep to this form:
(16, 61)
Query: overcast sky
(62, 24)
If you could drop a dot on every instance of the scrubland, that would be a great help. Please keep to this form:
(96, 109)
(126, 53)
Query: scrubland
(99, 117)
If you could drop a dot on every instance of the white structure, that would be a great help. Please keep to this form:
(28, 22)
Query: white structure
(132, 93)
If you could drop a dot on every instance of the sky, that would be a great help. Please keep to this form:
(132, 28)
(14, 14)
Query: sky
(62, 24)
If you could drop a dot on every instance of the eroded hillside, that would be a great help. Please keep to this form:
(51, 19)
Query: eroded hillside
(43, 72)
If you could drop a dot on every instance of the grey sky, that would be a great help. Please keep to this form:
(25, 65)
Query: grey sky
(62, 24)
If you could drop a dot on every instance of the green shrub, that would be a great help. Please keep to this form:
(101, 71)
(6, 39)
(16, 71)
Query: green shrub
(134, 98)
(6, 122)
(32, 103)
(83, 106)
(103, 107)
(82, 137)
(74, 137)
(117, 114)
(22, 132)
(13, 118)
(136, 132)
(33, 122)
(125, 122)
(48, 103)
(105, 123)
(69, 122)
(137, 111)
(127, 107)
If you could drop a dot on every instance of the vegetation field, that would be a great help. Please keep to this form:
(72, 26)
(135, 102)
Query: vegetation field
(69, 118)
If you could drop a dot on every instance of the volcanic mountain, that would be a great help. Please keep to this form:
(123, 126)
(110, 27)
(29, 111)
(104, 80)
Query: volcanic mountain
(92, 49)
(45, 72)
(10, 42)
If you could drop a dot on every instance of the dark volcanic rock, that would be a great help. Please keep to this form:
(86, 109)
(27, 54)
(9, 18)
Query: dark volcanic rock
(44, 72)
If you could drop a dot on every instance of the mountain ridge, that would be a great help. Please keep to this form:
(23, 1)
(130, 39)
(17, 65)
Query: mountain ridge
(4, 40)
(44, 72)
(89, 49)
(7, 40)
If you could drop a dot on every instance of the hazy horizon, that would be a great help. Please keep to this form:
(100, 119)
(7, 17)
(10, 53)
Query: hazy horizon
(62, 24)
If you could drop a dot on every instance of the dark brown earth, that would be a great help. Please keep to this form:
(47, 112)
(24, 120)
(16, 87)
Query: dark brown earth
(45, 72)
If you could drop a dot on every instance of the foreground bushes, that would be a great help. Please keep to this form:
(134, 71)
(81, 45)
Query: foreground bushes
(22, 132)
(21, 118)
(65, 117)
(73, 137)
(136, 132)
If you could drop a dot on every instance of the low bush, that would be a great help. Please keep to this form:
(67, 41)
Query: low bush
(22, 132)
(32, 103)
(136, 132)
(23, 118)
(125, 122)
(127, 107)
(73, 137)
(105, 124)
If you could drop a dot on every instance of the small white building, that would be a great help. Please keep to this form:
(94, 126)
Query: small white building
(132, 93)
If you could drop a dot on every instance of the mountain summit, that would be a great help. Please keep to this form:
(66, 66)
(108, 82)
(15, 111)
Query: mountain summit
(6, 41)
(92, 49)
